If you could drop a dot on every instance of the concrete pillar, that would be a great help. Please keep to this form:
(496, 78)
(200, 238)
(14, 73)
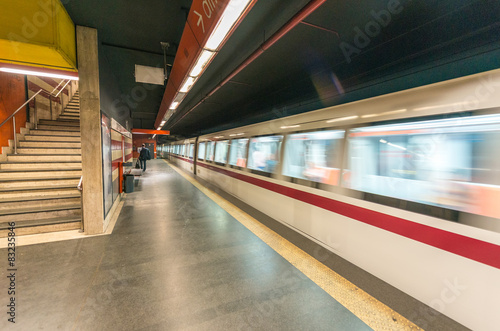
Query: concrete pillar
(90, 127)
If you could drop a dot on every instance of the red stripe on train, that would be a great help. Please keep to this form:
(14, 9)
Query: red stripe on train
(474, 249)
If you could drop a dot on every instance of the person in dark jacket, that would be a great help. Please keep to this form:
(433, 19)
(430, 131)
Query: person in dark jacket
(144, 155)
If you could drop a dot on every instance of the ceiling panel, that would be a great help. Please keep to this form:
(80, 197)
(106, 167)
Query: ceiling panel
(312, 66)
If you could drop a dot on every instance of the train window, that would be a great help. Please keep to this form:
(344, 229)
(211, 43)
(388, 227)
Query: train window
(191, 151)
(183, 150)
(210, 150)
(221, 151)
(314, 156)
(238, 153)
(264, 153)
(201, 151)
(448, 163)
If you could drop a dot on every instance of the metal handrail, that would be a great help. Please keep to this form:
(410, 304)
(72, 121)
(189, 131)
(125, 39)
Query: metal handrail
(80, 188)
(12, 116)
(18, 109)
(69, 80)
(34, 95)
(80, 184)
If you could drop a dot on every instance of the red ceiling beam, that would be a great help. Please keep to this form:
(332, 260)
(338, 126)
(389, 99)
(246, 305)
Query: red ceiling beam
(293, 22)
(202, 20)
(146, 131)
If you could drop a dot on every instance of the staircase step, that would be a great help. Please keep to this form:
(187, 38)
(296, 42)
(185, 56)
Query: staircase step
(40, 223)
(71, 112)
(52, 138)
(38, 173)
(47, 165)
(40, 202)
(38, 192)
(69, 117)
(73, 116)
(49, 144)
(60, 123)
(43, 158)
(58, 128)
(31, 214)
(44, 150)
(54, 133)
(17, 184)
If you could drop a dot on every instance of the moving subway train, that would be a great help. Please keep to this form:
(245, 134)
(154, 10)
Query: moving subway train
(405, 186)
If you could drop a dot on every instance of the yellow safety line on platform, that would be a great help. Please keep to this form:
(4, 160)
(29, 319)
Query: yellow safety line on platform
(374, 313)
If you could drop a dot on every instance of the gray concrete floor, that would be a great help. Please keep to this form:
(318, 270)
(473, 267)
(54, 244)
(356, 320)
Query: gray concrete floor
(175, 261)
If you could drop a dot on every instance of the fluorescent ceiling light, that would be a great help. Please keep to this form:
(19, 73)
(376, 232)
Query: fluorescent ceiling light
(201, 63)
(188, 83)
(163, 123)
(38, 73)
(392, 112)
(439, 106)
(177, 101)
(231, 14)
(340, 119)
(290, 127)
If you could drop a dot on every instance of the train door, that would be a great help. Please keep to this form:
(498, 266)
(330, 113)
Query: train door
(195, 155)
(151, 147)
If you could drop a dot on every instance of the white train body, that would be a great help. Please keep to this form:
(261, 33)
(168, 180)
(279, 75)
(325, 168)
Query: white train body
(453, 267)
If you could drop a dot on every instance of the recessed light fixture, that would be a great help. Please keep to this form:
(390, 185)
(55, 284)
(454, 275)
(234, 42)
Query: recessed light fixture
(392, 112)
(37, 73)
(341, 119)
(229, 17)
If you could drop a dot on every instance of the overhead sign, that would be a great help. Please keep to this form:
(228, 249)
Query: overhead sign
(149, 75)
(203, 16)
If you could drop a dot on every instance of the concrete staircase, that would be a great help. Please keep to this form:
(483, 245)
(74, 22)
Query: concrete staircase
(38, 185)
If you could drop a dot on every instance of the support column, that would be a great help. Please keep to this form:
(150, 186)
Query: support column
(90, 128)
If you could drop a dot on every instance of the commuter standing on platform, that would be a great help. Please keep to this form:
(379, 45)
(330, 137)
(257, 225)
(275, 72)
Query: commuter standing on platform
(144, 156)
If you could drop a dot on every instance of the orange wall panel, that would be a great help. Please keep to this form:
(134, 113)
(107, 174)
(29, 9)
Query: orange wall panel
(12, 95)
(138, 140)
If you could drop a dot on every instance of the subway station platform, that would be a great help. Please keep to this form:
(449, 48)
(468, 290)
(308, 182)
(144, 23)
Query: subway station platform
(183, 256)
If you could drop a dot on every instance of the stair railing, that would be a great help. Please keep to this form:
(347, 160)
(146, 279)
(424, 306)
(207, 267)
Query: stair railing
(13, 115)
(80, 188)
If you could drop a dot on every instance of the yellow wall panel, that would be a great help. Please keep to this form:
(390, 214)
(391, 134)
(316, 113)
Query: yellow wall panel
(37, 32)
(66, 34)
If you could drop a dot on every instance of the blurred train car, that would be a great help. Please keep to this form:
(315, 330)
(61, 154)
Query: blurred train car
(405, 186)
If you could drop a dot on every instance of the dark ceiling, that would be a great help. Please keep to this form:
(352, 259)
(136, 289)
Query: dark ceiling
(130, 33)
(321, 63)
